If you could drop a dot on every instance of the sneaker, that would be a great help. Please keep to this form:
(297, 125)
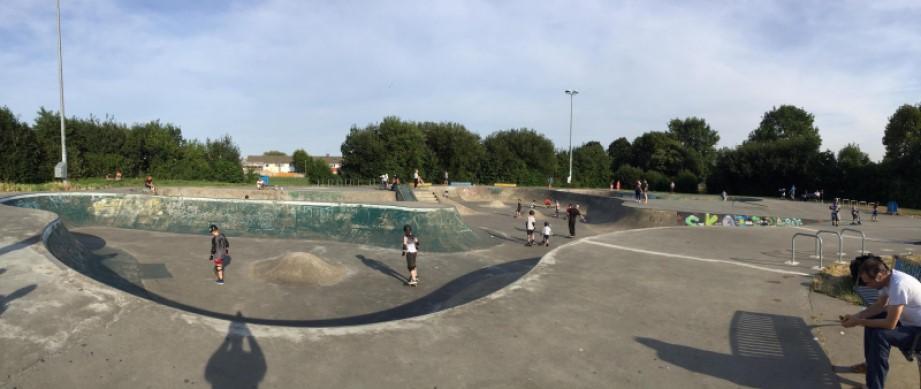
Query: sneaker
(219, 282)
(412, 282)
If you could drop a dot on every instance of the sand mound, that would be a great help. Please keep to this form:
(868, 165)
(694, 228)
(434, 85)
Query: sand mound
(299, 268)
(495, 204)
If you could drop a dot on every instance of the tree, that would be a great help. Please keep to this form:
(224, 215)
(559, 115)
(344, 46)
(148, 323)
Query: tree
(394, 147)
(620, 152)
(902, 161)
(591, 165)
(697, 137)
(784, 123)
(628, 175)
(686, 182)
(313, 168)
(21, 156)
(454, 149)
(520, 156)
(661, 152)
(274, 153)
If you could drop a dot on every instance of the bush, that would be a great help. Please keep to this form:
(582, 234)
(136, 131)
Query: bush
(686, 182)
(657, 180)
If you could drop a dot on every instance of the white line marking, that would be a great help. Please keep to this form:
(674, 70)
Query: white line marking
(710, 260)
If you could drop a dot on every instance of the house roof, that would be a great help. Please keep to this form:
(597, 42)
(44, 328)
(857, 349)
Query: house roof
(273, 159)
(331, 160)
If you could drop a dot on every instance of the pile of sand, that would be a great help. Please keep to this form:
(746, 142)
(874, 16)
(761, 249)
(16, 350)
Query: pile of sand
(299, 268)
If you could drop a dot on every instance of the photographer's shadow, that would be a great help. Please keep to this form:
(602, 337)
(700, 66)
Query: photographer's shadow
(233, 367)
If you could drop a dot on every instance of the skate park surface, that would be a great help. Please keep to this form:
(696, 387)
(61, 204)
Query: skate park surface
(637, 299)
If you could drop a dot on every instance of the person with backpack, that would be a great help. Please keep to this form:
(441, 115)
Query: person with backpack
(410, 251)
(220, 251)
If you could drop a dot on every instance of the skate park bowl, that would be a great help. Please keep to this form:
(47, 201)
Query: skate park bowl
(155, 248)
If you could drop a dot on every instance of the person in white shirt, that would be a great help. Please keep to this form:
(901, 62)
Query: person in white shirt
(530, 226)
(546, 234)
(893, 320)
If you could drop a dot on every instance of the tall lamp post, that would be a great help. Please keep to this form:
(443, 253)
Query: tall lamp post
(571, 94)
(60, 171)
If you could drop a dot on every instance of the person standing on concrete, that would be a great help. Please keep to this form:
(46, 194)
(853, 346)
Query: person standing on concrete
(410, 251)
(835, 209)
(572, 213)
(518, 209)
(793, 192)
(556, 212)
(671, 187)
(447, 182)
(638, 191)
(855, 215)
(875, 216)
(893, 320)
(529, 226)
(220, 250)
(645, 192)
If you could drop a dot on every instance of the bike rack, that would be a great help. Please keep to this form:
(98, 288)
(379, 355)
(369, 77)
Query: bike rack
(818, 241)
(840, 242)
(863, 238)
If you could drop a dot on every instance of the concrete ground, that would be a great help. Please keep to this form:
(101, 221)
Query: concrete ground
(660, 307)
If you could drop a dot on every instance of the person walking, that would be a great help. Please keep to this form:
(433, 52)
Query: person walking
(875, 213)
(556, 212)
(220, 251)
(572, 213)
(645, 192)
(410, 251)
(638, 191)
(518, 209)
(835, 209)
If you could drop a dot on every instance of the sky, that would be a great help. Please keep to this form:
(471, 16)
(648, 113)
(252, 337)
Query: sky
(281, 75)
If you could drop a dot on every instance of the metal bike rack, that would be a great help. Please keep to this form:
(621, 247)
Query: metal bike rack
(863, 238)
(840, 242)
(818, 241)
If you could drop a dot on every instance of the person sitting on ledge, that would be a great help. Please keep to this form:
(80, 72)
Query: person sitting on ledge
(893, 320)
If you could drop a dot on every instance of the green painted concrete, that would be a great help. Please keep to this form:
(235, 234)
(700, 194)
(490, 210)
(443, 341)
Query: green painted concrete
(439, 229)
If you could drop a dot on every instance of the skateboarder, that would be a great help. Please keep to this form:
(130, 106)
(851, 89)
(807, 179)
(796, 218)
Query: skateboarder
(835, 208)
(518, 209)
(529, 227)
(220, 250)
(546, 234)
(875, 212)
(410, 251)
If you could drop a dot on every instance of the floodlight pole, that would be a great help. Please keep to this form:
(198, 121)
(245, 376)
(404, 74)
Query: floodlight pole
(571, 93)
(63, 164)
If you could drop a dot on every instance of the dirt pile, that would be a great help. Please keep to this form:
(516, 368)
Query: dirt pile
(299, 268)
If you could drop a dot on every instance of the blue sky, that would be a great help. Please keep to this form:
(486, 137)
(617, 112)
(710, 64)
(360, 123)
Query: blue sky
(298, 74)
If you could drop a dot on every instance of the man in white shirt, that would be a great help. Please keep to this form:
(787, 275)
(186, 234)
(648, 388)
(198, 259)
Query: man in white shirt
(893, 320)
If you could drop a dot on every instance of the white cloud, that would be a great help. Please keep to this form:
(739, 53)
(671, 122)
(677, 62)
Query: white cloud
(284, 74)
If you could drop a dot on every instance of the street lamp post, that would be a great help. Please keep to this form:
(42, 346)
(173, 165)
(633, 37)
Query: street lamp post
(571, 94)
(61, 168)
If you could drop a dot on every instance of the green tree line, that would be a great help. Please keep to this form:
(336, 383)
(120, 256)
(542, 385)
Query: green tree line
(98, 148)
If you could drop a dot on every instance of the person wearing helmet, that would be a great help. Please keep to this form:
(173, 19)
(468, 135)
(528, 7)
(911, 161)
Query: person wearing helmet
(220, 250)
(410, 251)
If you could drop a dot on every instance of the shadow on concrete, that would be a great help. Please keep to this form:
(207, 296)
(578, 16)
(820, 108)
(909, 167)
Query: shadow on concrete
(381, 267)
(21, 244)
(2, 270)
(18, 293)
(232, 365)
(768, 351)
(122, 271)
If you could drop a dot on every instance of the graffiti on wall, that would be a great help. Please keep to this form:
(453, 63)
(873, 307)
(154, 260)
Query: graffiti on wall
(728, 220)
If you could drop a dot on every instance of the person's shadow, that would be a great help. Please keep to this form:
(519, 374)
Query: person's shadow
(18, 293)
(381, 267)
(233, 367)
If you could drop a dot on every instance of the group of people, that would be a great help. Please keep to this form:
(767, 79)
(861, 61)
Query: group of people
(835, 209)
(641, 191)
(388, 183)
(573, 212)
(809, 195)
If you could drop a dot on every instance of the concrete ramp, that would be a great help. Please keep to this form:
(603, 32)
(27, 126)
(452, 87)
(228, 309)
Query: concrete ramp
(440, 228)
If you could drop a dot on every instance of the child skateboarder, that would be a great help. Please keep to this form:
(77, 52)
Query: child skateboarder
(546, 234)
(410, 251)
(220, 250)
(875, 212)
(518, 209)
(835, 208)
(855, 215)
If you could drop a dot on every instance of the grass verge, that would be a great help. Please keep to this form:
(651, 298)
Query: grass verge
(835, 279)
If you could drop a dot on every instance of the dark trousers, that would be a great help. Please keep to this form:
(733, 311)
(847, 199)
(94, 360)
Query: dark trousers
(572, 226)
(877, 343)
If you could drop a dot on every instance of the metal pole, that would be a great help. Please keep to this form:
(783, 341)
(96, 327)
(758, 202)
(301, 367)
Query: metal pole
(61, 88)
(571, 93)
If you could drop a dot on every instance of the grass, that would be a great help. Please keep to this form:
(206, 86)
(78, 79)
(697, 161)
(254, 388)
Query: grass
(835, 280)
(101, 183)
